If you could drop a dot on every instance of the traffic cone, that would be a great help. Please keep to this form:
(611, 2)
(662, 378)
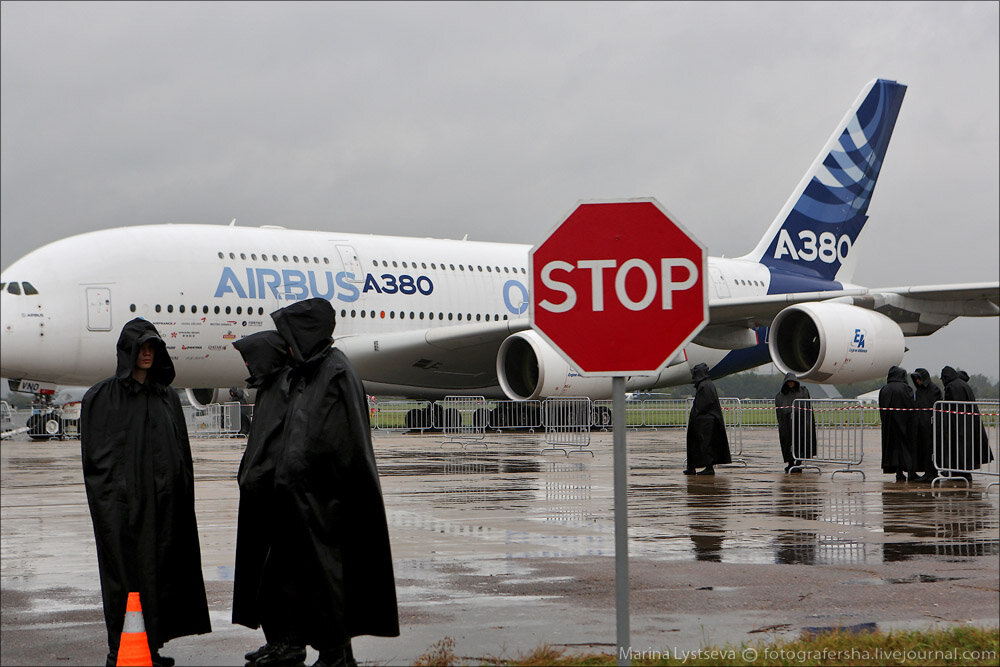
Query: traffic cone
(133, 650)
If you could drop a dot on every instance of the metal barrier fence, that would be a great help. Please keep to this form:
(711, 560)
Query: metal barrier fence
(506, 415)
(962, 440)
(465, 419)
(213, 420)
(665, 412)
(757, 413)
(567, 424)
(828, 430)
(402, 416)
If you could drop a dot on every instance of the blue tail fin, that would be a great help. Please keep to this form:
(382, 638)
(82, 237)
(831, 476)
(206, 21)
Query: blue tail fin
(813, 235)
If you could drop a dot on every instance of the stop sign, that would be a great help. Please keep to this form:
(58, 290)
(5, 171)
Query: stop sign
(618, 287)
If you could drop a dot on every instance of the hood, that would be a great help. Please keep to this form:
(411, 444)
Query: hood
(922, 375)
(699, 373)
(789, 377)
(896, 374)
(265, 353)
(307, 327)
(962, 375)
(948, 375)
(134, 334)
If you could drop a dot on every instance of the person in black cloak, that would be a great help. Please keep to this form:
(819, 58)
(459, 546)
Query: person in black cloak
(789, 421)
(967, 447)
(707, 442)
(266, 356)
(925, 395)
(899, 425)
(139, 478)
(328, 575)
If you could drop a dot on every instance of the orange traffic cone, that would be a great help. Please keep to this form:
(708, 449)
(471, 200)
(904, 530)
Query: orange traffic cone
(133, 650)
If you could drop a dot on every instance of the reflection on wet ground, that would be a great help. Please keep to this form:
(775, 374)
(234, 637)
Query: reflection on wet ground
(483, 535)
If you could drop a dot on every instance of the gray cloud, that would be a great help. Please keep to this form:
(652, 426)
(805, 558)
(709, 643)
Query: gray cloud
(493, 119)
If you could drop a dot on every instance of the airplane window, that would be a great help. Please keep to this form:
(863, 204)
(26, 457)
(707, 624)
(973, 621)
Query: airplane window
(452, 266)
(489, 269)
(433, 265)
(170, 308)
(253, 256)
(232, 256)
(480, 269)
(478, 317)
(394, 264)
(216, 310)
(460, 317)
(326, 260)
(505, 317)
(384, 263)
(430, 316)
(243, 255)
(295, 258)
(274, 258)
(157, 309)
(451, 316)
(363, 312)
(372, 313)
(423, 265)
(132, 307)
(221, 256)
(263, 258)
(2, 285)
(228, 310)
(404, 265)
(29, 288)
(315, 260)
(305, 259)
(354, 313)
(392, 314)
(421, 315)
(284, 258)
(343, 313)
(468, 316)
(14, 288)
(440, 316)
(260, 311)
(181, 309)
(497, 269)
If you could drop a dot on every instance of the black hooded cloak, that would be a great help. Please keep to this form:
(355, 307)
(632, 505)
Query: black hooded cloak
(899, 423)
(266, 356)
(925, 395)
(790, 421)
(329, 574)
(139, 479)
(969, 445)
(707, 442)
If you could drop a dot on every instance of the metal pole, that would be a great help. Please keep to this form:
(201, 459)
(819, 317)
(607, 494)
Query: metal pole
(621, 521)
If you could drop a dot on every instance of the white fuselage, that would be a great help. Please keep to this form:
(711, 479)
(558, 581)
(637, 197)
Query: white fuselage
(205, 286)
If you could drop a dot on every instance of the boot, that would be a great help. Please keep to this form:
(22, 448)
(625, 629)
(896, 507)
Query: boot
(900, 477)
(689, 471)
(284, 654)
(707, 471)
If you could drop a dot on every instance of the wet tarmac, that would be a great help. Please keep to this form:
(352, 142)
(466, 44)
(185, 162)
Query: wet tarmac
(504, 548)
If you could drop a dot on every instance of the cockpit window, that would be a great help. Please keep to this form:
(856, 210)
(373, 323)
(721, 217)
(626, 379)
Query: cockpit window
(2, 285)
(14, 288)
(29, 288)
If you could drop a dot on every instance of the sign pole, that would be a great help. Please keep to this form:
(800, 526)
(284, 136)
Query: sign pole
(621, 521)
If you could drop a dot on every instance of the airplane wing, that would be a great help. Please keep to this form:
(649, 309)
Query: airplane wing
(444, 358)
(919, 310)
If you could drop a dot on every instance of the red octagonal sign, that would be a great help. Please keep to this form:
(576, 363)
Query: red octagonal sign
(618, 287)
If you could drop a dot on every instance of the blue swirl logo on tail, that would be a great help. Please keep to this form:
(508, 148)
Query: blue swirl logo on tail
(819, 231)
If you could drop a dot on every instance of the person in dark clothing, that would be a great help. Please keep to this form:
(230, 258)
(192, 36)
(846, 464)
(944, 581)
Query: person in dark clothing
(925, 395)
(965, 443)
(139, 478)
(707, 442)
(266, 356)
(328, 575)
(899, 428)
(798, 421)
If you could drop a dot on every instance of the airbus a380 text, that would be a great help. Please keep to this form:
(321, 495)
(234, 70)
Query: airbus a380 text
(428, 318)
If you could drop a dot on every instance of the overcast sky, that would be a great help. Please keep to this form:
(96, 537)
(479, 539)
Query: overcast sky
(493, 120)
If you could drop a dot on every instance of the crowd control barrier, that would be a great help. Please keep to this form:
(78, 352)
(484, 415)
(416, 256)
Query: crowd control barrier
(828, 430)
(465, 419)
(567, 425)
(509, 415)
(962, 437)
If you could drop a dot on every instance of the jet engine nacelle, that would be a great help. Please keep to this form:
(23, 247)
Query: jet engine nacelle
(200, 397)
(834, 342)
(529, 368)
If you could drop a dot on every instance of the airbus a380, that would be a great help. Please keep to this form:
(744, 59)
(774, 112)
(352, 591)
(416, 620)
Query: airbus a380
(429, 318)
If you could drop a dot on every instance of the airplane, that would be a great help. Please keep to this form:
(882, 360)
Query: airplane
(427, 318)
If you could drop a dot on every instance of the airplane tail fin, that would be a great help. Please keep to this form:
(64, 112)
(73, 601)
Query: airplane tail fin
(814, 233)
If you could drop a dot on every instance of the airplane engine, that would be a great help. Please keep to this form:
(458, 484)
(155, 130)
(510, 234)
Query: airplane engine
(200, 397)
(834, 342)
(529, 368)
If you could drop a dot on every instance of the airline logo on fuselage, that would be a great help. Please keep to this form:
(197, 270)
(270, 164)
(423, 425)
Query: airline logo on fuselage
(858, 343)
(295, 285)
